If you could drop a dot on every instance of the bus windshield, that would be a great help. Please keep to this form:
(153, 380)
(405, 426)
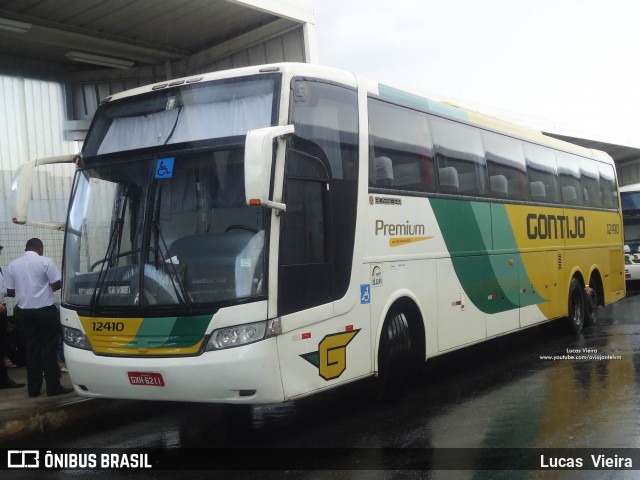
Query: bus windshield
(158, 216)
(135, 238)
(189, 113)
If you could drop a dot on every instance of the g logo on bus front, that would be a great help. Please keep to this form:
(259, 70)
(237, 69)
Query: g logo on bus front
(331, 357)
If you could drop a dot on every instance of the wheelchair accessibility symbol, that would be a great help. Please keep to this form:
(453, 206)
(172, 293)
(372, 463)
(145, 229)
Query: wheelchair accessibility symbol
(164, 167)
(365, 294)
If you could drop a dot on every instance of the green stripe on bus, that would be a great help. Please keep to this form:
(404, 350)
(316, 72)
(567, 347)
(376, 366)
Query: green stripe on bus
(502, 225)
(170, 332)
(188, 331)
(421, 103)
(466, 229)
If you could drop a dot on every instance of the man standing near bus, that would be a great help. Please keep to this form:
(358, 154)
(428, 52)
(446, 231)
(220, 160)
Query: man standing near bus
(5, 381)
(33, 279)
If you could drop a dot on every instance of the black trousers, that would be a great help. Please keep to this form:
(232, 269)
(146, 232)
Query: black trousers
(4, 377)
(3, 333)
(42, 332)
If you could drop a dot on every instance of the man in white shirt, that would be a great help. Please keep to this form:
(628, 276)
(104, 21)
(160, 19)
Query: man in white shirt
(32, 279)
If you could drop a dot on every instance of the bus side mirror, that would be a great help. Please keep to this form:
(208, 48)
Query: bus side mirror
(258, 157)
(22, 184)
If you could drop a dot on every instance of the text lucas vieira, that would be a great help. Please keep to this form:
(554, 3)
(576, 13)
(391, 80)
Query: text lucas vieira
(598, 461)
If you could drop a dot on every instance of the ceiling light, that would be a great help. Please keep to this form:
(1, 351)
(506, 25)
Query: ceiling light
(14, 26)
(98, 60)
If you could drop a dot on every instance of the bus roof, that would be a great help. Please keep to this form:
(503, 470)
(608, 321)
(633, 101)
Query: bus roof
(455, 112)
(385, 92)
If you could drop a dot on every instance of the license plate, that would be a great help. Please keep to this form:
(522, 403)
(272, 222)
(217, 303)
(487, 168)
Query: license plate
(149, 379)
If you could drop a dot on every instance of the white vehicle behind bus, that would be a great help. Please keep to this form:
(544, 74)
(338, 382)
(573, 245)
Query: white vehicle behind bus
(630, 200)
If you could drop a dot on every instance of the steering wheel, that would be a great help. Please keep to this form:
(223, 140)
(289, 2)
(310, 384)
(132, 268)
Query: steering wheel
(241, 227)
(106, 259)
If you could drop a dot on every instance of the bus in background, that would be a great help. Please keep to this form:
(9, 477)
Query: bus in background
(261, 234)
(630, 199)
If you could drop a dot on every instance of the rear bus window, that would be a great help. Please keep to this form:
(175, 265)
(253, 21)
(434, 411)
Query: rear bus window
(608, 186)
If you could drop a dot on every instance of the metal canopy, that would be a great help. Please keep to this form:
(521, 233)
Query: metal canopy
(622, 155)
(59, 38)
(97, 40)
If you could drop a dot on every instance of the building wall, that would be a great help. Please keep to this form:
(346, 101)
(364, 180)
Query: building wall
(31, 126)
(288, 47)
(629, 173)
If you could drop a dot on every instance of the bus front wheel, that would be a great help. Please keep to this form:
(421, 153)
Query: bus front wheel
(577, 305)
(394, 357)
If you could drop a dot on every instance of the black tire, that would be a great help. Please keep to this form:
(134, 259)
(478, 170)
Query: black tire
(592, 305)
(577, 306)
(394, 357)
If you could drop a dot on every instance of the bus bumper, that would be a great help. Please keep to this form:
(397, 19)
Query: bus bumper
(248, 374)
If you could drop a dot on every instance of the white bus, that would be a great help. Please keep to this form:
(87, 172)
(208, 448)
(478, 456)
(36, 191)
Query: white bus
(630, 200)
(261, 234)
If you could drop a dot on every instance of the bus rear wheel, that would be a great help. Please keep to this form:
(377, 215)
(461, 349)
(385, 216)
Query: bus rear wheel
(592, 305)
(577, 304)
(394, 357)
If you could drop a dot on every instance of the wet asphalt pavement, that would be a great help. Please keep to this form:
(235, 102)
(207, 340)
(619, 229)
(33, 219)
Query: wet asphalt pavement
(543, 388)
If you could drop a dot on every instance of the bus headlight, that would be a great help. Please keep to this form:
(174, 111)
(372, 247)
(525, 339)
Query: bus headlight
(243, 334)
(75, 338)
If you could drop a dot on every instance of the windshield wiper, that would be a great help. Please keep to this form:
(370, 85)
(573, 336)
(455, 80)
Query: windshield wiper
(160, 248)
(107, 262)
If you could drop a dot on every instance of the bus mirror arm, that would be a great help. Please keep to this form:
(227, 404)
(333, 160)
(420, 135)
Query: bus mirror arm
(280, 207)
(22, 186)
(258, 158)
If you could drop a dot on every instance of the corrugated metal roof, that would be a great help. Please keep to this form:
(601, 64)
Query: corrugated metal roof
(146, 32)
(620, 153)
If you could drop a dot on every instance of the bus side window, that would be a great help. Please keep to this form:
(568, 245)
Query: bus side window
(401, 150)
(590, 183)
(569, 177)
(326, 115)
(460, 146)
(543, 173)
(608, 186)
(506, 166)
